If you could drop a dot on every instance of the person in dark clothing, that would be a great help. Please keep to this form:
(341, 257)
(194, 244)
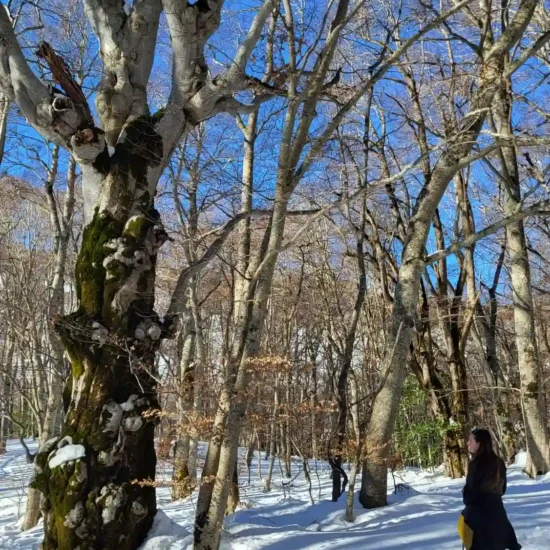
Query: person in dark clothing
(482, 495)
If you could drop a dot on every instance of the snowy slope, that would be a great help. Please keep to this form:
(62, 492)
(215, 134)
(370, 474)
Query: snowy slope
(423, 518)
(15, 475)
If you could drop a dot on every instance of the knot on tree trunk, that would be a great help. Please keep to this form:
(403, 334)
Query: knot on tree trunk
(88, 144)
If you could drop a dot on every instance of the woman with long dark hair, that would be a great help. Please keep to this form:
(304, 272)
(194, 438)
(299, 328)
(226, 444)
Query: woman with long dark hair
(485, 485)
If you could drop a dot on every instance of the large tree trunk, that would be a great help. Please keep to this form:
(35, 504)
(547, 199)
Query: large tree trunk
(532, 392)
(97, 477)
(103, 498)
(386, 403)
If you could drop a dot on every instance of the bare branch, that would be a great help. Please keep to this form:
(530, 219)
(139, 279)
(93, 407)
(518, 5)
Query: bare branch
(53, 116)
(526, 54)
(541, 208)
(317, 147)
(179, 297)
(62, 75)
(247, 46)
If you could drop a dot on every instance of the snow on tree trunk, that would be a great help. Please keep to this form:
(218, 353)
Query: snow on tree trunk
(99, 501)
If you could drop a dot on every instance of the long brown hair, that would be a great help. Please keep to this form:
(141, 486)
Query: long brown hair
(485, 460)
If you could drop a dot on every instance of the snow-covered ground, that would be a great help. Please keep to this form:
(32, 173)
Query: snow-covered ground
(422, 518)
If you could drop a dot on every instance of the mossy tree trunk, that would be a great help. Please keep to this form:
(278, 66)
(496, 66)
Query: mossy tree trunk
(97, 476)
(93, 501)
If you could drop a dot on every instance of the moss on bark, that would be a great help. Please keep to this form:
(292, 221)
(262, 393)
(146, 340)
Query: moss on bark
(104, 501)
(101, 500)
(90, 271)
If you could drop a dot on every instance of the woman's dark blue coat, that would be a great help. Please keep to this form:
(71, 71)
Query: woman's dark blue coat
(484, 511)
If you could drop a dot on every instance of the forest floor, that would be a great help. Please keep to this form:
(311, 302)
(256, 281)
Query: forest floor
(423, 516)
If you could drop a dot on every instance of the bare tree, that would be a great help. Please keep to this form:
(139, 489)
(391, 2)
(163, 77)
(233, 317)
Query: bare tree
(533, 401)
(492, 57)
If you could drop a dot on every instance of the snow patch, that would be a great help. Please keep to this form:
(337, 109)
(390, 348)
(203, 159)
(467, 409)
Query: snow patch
(405, 490)
(521, 459)
(68, 453)
(288, 521)
(111, 150)
(166, 534)
(48, 445)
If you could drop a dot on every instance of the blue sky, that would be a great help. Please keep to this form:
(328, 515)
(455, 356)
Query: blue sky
(26, 150)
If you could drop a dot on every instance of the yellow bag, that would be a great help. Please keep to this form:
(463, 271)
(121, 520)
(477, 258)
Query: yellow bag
(465, 532)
